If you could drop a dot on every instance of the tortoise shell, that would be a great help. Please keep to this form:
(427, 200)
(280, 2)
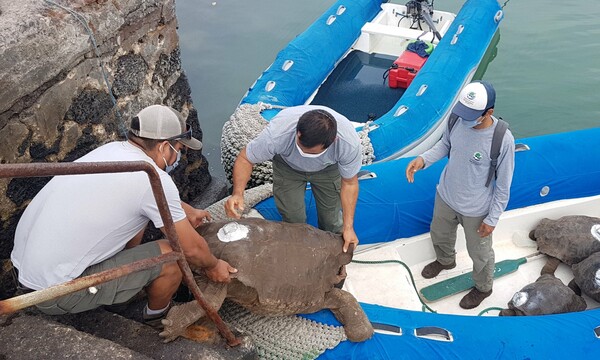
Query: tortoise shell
(570, 239)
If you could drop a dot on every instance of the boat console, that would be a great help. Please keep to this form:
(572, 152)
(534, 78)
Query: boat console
(393, 28)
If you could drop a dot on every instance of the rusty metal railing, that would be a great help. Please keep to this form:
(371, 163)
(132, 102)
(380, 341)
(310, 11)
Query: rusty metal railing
(77, 168)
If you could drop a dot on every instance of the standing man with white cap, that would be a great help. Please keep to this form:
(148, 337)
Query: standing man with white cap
(474, 187)
(78, 225)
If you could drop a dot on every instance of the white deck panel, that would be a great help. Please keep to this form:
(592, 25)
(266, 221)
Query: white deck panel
(390, 285)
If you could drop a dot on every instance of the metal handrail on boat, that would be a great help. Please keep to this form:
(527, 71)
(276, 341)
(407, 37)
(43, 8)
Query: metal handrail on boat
(77, 168)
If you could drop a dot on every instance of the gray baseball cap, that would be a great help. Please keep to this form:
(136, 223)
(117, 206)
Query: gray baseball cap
(162, 122)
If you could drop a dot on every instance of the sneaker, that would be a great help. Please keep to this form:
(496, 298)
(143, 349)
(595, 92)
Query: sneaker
(432, 270)
(155, 320)
(473, 298)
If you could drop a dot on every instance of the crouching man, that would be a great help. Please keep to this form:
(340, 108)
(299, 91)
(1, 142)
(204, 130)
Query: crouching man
(78, 225)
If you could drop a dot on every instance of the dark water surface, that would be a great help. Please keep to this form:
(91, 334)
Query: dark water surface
(546, 73)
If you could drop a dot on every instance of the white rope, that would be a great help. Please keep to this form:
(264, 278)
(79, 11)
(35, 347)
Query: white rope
(244, 125)
(283, 337)
(251, 197)
(368, 153)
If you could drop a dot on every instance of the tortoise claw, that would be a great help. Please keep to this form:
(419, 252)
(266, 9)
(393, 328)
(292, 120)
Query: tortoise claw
(167, 336)
(169, 332)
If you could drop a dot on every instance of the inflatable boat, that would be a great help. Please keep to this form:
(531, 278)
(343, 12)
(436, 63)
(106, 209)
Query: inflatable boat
(395, 70)
(407, 327)
(555, 175)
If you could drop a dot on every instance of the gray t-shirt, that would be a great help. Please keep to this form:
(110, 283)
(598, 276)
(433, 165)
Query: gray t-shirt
(279, 138)
(462, 183)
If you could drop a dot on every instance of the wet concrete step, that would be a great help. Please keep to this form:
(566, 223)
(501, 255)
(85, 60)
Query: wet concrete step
(26, 337)
(101, 334)
(131, 333)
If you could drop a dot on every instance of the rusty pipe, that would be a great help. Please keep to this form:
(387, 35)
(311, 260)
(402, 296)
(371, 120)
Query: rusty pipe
(212, 314)
(20, 302)
(73, 168)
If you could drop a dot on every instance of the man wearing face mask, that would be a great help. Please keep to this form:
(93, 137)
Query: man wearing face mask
(307, 144)
(78, 225)
(469, 193)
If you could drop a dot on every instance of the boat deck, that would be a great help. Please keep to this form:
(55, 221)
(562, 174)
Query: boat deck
(389, 284)
(357, 89)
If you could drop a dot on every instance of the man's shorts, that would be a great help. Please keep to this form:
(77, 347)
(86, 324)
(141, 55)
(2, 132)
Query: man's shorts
(113, 292)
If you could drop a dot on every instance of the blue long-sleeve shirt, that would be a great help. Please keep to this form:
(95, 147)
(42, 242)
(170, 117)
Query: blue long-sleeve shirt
(462, 183)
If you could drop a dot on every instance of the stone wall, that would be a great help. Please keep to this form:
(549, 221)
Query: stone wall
(54, 103)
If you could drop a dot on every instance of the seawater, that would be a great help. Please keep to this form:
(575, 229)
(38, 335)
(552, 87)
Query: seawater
(546, 72)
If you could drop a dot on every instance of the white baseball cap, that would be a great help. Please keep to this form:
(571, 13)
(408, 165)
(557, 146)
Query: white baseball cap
(162, 122)
(474, 99)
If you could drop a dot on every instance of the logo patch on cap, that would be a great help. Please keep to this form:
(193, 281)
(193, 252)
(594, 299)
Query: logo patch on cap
(474, 99)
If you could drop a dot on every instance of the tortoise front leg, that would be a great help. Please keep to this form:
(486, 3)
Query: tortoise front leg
(347, 310)
(550, 266)
(507, 312)
(573, 286)
(184, 315)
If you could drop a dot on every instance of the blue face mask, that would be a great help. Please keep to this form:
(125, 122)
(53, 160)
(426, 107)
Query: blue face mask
(473, 123)
(172, 167)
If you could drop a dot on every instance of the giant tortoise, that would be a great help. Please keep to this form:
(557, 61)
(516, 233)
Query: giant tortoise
(547, 295)
(587, 276)
(283, 269)
(570, 239)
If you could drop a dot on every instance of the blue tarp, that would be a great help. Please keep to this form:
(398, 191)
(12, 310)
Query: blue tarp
(561, 336)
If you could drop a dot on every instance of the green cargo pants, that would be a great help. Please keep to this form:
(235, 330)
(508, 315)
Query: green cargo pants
(443, 235)
(289, 187)
(116, 291)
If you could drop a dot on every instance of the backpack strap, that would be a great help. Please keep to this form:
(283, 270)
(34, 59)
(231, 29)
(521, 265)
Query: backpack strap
(499, 132)
(451, 122)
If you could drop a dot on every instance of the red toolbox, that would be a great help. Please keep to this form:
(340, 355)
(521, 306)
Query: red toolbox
(405, 69)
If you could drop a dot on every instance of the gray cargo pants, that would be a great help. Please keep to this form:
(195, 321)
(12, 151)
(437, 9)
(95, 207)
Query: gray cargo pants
(289, 187)
(443, 235)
